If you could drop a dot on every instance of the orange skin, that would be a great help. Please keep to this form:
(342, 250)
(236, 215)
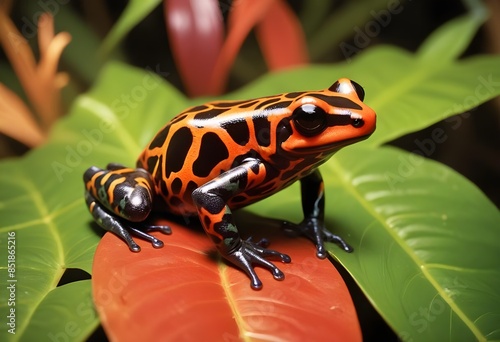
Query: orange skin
(221, 156)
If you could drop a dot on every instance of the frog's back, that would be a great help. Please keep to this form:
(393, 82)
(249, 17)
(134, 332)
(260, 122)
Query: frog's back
(204, 141)
(287, 136)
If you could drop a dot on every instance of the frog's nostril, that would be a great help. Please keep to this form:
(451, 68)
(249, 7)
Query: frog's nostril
(358, 123)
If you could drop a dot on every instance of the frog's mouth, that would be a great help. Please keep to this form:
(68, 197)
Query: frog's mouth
(329, 148)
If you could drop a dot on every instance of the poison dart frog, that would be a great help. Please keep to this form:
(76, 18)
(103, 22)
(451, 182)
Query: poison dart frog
(214, 158)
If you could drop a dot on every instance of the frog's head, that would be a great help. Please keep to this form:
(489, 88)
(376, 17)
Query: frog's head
(325, 121)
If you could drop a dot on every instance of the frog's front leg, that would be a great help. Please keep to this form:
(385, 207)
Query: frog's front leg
(217, 220)
(313, 206)
(120, 200)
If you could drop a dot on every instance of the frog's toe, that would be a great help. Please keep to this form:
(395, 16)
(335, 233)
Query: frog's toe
(277, 274)
(321, 251)
(255, 283)
(157, 243)
(154, 228)
(313, 229)
(134, 247)
(285, 258)
(330, 237)
(261, 251)
(291, 229)
(125, 236)
(261, 243)
(250, 253)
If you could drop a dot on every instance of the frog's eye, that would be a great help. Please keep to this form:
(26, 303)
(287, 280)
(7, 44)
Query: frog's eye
(342, 86)
(310, 119)
(359, 90)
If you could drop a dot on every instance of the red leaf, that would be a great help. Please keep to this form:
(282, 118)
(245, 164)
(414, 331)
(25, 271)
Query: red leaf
(281, 37)
(244, 15)
(180, 292)
(196, 33)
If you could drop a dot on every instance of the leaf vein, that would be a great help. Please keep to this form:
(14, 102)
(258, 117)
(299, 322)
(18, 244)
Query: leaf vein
(335, 165)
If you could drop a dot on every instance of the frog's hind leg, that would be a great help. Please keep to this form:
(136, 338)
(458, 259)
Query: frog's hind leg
(110, 222)
(120, 200)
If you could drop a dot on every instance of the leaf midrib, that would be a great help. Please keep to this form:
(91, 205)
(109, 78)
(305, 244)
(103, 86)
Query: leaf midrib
(231, 301)
(47, 219)
(336, 167)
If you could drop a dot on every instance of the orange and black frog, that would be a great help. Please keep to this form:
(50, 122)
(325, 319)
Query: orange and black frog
(217, 157)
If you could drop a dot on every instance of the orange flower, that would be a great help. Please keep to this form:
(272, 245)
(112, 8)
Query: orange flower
(41, 82)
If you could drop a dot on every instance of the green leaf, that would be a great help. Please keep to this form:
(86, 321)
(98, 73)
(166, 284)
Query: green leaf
(135, 11)
(70, 305)
(421, 94)
(450, 40)
(312, 13)
(425, 241)
(42, 202)
(42, 196)
(406, 94)
(41, 211)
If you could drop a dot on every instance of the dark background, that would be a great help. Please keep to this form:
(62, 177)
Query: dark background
(471, 149)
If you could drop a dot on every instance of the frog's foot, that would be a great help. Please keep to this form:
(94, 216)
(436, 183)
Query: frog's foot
(123, 228)
(313, 229)
(248, 253)
(142, 232)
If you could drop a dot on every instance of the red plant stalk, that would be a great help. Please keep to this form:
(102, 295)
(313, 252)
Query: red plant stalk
(196, 31)
(205, 58)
